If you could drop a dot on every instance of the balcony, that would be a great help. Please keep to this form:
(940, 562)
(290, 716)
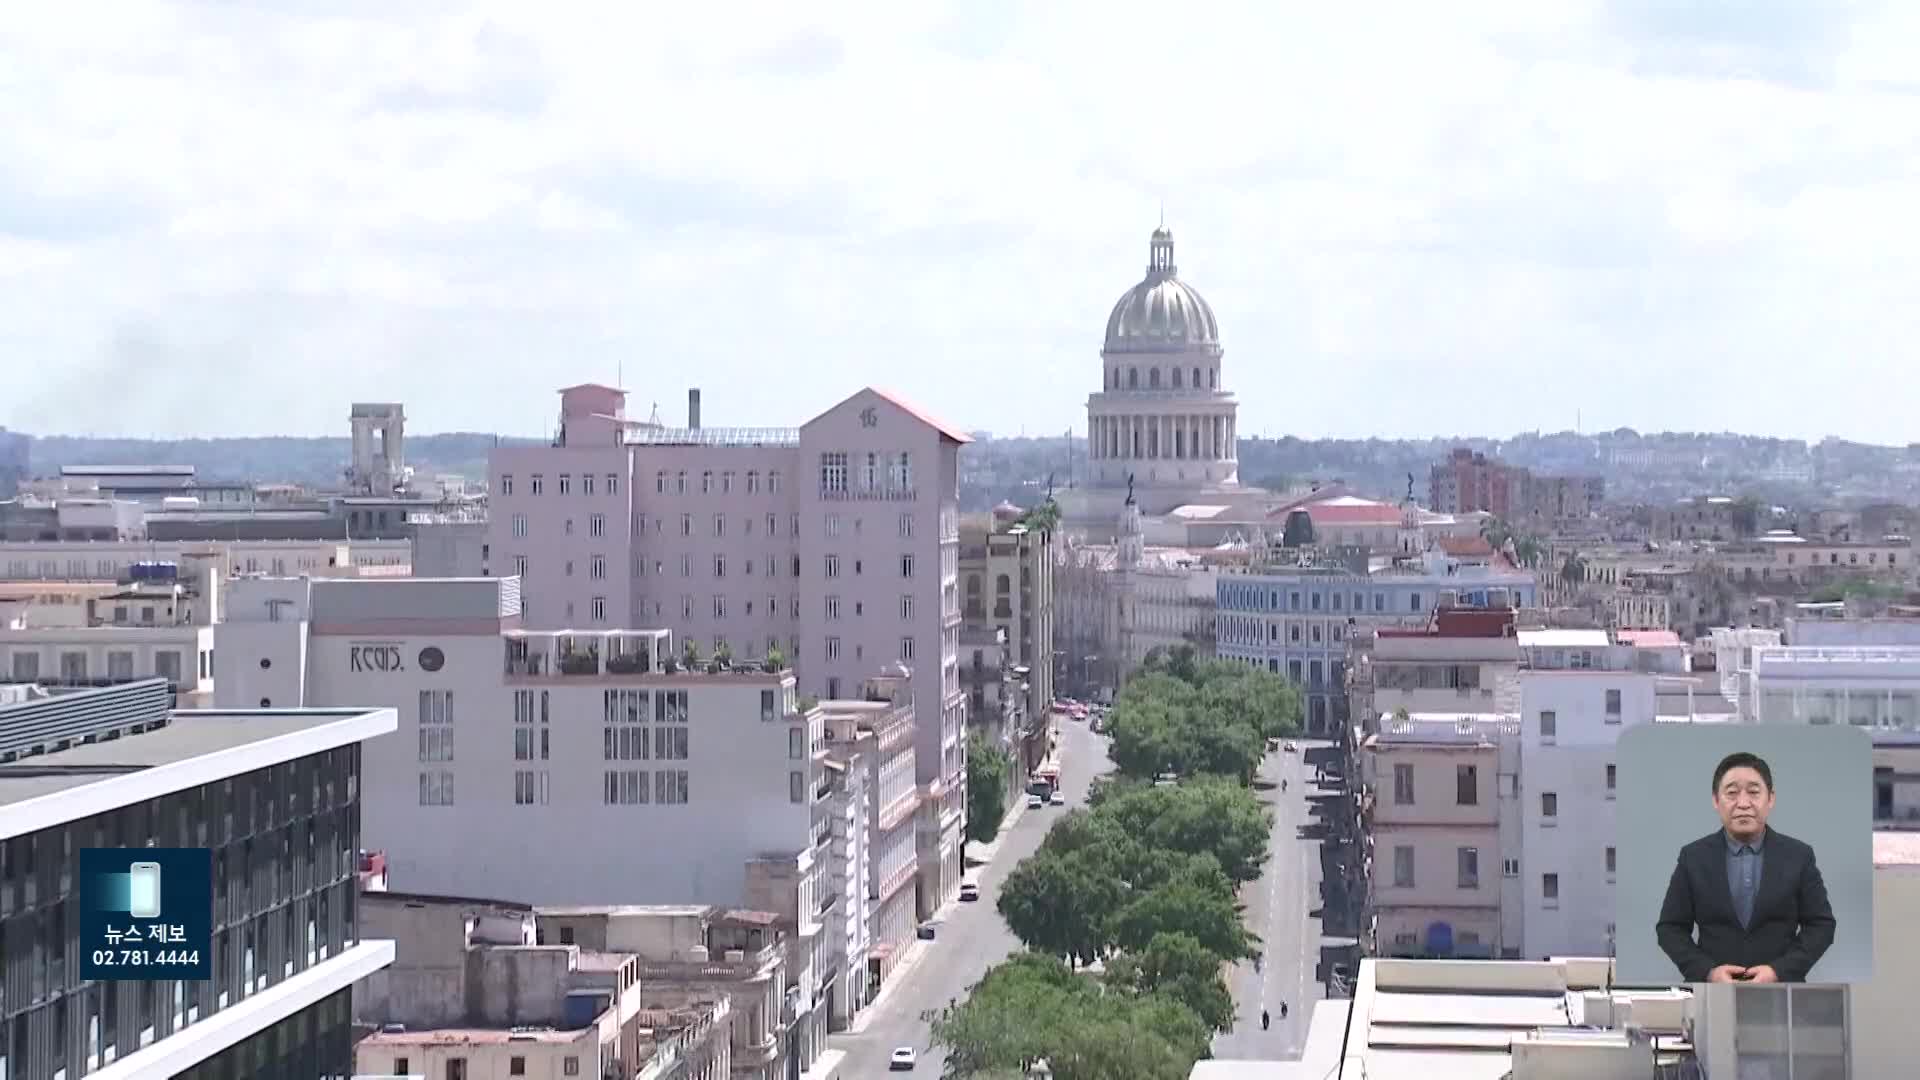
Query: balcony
(853, 494)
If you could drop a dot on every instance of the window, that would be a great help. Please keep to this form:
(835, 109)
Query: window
(570, 1066)
(660, 483)
(719, 524)
(613, 483)
(833, 607)
(1510, 867)
(520, 525)
(680, 482)
(625, 787)
(686, 566)
(520, 565)
(597, 609)
(538, 483)
(1469, 868)
(773, 525)
(719, 566)
(833, 566)
(436, 726)
(833, 647)
(670, 787)
(506, 483)
(1403, 866)
(901, 474)
(529, 788)
(566, 483)
(1403, 785)
(906, 565)
(796, 743)
(1466, 785)
(1610, 862)
(1549, 725)
(669, 744)
(773, 482)
(686, 605)
(753, 481)
(906, 607)
(719, 606)
(686, 524)
(797, 786)
(436, 788)
(833, 524)
(906, 649)
(768, 702)
(1612, 775)
(726, 482)
(906, 526)
(706, 482)
(586, 483)
(596, 525)
(1549, 807)
(1613, 706)
(1550, 889)
(833, 472)
(597, 567)
(516, 1066)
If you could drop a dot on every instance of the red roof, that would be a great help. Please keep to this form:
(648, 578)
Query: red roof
(1461, 546)
(591, 386)
(1346, 510)
(1459, 623)
(922, 415)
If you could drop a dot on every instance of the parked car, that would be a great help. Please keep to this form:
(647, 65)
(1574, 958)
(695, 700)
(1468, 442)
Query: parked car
(927, 931)
(1059, 798)
(903, 1059)
(1036, 801)
(969, 892)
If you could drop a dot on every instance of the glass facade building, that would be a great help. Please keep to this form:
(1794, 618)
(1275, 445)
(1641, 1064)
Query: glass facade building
(284, 836)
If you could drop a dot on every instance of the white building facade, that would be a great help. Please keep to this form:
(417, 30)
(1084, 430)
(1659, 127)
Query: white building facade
(517, 749)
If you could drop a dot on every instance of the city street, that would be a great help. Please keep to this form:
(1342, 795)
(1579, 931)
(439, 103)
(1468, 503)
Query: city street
(972, 936)
(1279, 909)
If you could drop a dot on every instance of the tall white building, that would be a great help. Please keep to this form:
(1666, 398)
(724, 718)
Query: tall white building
(555, 767)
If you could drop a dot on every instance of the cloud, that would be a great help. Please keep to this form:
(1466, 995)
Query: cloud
(1475, 216)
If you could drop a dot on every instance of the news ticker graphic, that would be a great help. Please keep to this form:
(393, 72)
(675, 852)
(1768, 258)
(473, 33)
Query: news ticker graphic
(146, 913)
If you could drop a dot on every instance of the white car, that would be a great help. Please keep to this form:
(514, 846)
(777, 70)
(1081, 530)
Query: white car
(1059, 797)
(1036, 801)
(902, 1060)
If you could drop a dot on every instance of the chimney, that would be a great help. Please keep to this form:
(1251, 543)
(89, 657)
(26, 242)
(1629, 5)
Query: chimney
(693, 408)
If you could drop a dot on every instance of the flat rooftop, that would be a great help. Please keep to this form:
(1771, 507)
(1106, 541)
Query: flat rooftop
(188, 735)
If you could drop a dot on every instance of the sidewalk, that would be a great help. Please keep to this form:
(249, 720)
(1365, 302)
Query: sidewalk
(917, 949)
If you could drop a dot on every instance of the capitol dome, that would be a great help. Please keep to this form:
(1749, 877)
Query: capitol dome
(1162, 314)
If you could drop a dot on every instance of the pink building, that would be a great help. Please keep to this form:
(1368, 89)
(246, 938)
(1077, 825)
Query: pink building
(836, 543)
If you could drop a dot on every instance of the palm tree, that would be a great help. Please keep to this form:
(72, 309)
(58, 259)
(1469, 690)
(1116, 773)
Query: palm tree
(1574, 570)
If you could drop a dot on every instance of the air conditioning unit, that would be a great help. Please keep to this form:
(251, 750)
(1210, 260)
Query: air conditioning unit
(736, 956)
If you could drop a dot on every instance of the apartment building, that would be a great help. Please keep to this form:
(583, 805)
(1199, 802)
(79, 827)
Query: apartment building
(835, 543)
(473, 991)
(156, 624)
(1468, 481)
(112, 560)
(1297, 619)
(1578, 692)
(1445, 879)
(1006, 579)
(517, 743)
(276, 795)
(870, 748)
(691, 955)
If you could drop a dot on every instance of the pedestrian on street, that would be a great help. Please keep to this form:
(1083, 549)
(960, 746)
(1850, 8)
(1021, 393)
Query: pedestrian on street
(1265, 1020)
(1283, 1010)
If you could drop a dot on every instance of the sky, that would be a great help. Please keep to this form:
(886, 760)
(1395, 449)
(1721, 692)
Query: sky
(1411, 219)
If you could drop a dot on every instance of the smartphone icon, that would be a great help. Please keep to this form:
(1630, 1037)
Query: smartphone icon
(143, 899)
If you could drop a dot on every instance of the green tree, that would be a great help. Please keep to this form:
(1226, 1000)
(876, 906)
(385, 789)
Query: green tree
(1180, 906)
(1178, 966)
(989, 770)
(1061, 905)
(1206, 815)
(1031, 1008)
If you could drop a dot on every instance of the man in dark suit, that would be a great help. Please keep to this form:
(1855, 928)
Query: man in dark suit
(1754, 894)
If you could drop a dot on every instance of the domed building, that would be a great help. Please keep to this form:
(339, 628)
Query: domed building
(1162, 424)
